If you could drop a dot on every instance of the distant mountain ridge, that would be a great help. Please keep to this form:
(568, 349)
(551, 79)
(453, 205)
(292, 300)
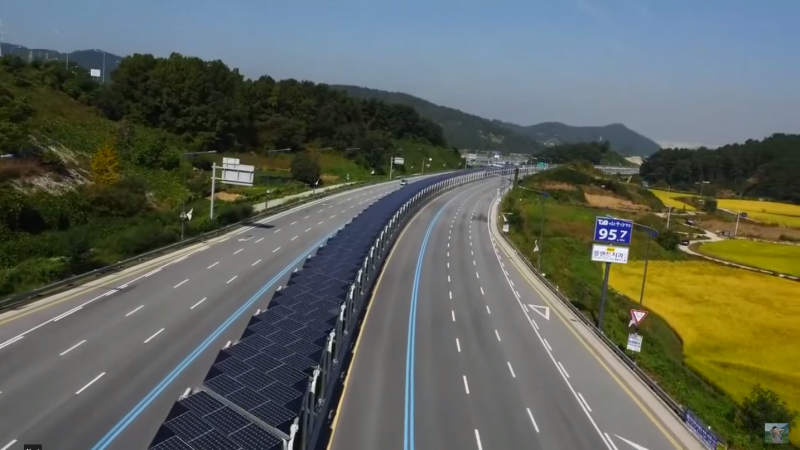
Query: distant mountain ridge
(88, 59)
(470, 131)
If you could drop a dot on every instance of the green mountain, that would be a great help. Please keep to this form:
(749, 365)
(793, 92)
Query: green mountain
(88, 59)
(461, 129)
(469, 131)
(622, 139)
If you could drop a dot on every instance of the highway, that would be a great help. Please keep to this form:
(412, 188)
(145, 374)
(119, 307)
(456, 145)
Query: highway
(73, 368)
(459, 351)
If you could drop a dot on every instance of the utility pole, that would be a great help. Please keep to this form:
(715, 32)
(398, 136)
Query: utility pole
(1, 38)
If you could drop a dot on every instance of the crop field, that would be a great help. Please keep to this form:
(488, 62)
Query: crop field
(671, 199)
(774, 213)
(738, 327)
(763, 255)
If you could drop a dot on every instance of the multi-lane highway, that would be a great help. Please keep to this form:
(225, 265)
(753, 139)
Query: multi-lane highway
(71, 368)
(459, 351)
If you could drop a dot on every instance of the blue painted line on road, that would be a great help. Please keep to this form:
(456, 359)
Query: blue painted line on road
(134, 413)
(408, 427)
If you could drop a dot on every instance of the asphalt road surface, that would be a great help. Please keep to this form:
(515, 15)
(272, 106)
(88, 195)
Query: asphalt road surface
(459, 352)
(71, 371)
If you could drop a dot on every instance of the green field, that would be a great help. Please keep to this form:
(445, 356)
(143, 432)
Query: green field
(780, 258)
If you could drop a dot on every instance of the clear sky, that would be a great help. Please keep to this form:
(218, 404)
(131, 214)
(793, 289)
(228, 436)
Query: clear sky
(685, 71)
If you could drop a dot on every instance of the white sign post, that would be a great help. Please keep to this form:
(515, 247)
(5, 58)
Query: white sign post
(95, 73)
(232, 173)
(634, 342)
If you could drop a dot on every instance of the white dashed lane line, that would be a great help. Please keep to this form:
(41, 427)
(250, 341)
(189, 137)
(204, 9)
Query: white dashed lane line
(256, 262)
(71, 348)
(213, 265)
(181, 283)
(153, 336)
(276, 250)
(259, 240)
(234, 277)
(196, 304)
(126, 315)
(90, 383)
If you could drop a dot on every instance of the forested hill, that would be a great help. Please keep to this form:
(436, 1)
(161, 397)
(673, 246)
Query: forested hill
(461, 129)
(622, 139)
(88, 59)
(767, 168)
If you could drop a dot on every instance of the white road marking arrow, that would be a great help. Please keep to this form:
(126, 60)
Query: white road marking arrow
(543, 311)
(634, 445)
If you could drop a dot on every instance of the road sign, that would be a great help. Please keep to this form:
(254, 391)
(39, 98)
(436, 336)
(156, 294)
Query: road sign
(609, 254)
(505, 228)
(637, 316)
(613, 231)
(400, 161)
(187, 215)
(634, 342)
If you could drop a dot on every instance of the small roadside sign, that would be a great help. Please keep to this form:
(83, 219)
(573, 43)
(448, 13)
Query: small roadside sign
(634, 343)
(609, 254)
(505, 228)
(637, 316)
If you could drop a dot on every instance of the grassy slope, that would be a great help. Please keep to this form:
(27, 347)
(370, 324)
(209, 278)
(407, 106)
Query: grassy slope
(566, 261)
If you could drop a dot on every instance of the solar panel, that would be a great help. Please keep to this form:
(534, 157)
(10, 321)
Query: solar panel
(267, 372)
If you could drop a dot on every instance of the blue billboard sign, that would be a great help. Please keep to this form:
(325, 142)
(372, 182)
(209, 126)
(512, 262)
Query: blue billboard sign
(613, 231)
(698, 428)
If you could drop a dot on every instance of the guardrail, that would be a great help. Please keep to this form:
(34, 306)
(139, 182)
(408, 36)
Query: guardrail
(23, 298)
(693, 423)
(280, 381)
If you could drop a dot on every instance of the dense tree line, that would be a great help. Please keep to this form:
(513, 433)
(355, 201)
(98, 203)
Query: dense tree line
(767, 168)
(593, 152)
(214, 107)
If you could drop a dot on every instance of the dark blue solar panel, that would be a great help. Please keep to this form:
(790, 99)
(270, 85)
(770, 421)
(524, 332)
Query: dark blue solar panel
(201, 403)
(256, 438)
(280, 393)
(319, 325)
(273, 414)
(242, 350)
(223, 385)
(213, 440)
(173, 443)
(263, 363)
(286, 374)
(227, 421)
(275, 310)
(233, 366)
(278, 351)
(309, 333)
(257, 341)
(288, 325)
(188, 426)
(302, 308)
(304, 347)
(266, 327)
(319, 315)
(282, 337)
(255, 380)
(247, 399)
(299, 362)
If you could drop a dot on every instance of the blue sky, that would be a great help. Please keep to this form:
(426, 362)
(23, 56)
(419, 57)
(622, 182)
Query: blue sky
(698, 72)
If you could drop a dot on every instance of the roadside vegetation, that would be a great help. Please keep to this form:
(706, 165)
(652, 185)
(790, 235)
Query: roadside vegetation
(689, 358)
(782, 258)
(96, 173)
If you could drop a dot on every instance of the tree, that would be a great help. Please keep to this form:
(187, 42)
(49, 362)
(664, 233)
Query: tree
(305, 167)
(764, 406)
(105, 165)
(709, 205)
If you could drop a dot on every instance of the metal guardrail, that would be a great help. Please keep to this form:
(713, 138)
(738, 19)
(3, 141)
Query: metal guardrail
(669, 401)
(23, 298)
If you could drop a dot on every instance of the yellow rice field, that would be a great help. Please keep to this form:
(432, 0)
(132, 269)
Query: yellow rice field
(738, 327)
(671, 199)
(783, 214)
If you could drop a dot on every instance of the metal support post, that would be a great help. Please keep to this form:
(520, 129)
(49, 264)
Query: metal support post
(603, 298)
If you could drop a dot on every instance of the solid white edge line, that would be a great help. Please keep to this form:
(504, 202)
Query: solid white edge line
(201, 301)
(466, 385)
(90, 383)
(610, 441)
(73, 310)
(584, 402)
(563, 369)
(11, 341)
(547, 344)
(511, 369)
(71, 348)
(151, 337)
(530, 414)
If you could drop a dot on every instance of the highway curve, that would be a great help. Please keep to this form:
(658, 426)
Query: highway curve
(72, 369)
(458, 351)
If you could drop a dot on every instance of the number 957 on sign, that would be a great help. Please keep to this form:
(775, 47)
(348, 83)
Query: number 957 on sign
(616, 231)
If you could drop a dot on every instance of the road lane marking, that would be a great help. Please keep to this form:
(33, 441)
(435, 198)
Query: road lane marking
(276, 250)
(448, 264)
(237, 251)
(563, 369)
(71, 311)
(451, 295)
(453, 313)
(488, 310)
(548, 345)
(477, 276)
(9, 445)
(179, 284)
(458, 345)
(308, 230)
(293, 238)
(333, 216)
(259, 240)
(448, 280)
(530, 414)
(234, 277)
(466, 385)
(473, 263)
(321, 210)
(90, 383)
(608, 438)
(276, 231)
(498, 335)
(584, 402)
(478, 439)
(151, 337)
(126, 315)
(320, 222)
(511, 369)
(196, 304)
(255, 262)
(306, 217)
(71, 348)
(482, 293)
(212, 265)
(11, 341)
(293, 223)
